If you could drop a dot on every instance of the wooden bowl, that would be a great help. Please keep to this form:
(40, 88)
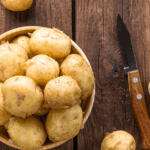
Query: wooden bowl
(86, 105)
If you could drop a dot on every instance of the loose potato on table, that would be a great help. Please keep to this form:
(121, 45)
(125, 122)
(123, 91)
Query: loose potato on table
(42, 69)
(64, 124)
(23, 41)
(12, 61)
(27, 133)
(75, 66)
(22, 96)
(4, 115)
(50, 42)
(17, 5)
(118, 140)
(62, 92)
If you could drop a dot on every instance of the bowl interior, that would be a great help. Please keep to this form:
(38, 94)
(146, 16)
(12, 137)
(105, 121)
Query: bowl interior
(86, 105)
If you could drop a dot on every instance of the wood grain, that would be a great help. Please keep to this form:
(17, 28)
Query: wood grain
(92, 24)
(89, 28)
(48, 13)
(136, 17)
(139, 107)
(96, 34)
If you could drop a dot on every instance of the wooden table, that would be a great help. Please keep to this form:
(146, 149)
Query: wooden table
(92, 25)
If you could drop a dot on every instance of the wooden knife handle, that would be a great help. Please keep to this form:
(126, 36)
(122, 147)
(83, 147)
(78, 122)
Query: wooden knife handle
(139, 107)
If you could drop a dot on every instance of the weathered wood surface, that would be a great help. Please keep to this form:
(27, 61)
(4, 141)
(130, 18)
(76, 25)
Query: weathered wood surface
(92, 24)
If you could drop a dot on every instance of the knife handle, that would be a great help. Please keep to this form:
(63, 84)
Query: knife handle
(139, 107)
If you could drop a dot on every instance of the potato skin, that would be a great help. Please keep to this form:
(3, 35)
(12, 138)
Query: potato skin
(17, 5)
(75, 66)
(43, 110)
(118, 140)
(149, 88)
(64, 124)
(23, 41)
(12, 61)
(50, 42)
(22, 96)
(4, 115)
(27, 133)
(42, 69)
(62, 92)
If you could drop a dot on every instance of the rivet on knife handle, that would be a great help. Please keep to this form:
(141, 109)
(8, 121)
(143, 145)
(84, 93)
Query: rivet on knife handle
(139, 107)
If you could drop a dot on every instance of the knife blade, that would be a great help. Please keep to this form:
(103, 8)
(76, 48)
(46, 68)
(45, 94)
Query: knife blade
(135, 86)
(126, 47)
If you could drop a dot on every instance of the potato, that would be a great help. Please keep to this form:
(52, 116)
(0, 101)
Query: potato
(22, 96)
(75, 66)
(64, 124)
(12, 61)
(23, 41)
(17, 5)
(118, 140)
(43, 110)
(27, 133)
(50, 42)
(149, 88)
(4, 115)
(6, 125)
(62, 92)
(42, 69)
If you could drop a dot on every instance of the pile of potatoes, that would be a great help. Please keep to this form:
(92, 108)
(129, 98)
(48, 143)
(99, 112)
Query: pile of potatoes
(40, 76)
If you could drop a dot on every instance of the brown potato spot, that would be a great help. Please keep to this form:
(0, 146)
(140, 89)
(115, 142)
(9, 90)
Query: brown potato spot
(75, 118)
(24, 115)
(17, 79)
(20, 98)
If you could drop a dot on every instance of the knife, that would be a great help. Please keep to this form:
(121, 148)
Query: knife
(135, 86)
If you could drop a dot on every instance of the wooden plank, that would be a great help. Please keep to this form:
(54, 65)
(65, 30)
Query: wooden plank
(112, 70)
(89, 36)
(55, 13)
(96, 34)
(136, 16)
(48, 13)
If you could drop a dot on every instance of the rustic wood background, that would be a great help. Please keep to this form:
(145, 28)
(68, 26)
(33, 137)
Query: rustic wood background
(92, 25)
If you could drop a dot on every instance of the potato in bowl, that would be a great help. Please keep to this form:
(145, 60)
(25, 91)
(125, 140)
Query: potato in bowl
(42, 68)
(86, 108)
(12, 60)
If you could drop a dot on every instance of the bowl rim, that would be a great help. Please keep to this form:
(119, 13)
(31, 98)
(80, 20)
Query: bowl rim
(28, 29)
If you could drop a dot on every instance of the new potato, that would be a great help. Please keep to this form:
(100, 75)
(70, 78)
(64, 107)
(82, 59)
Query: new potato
(27, 133)
(62, 92)
(50, 42)
(22, 96)
(42, 69)
(17, 5)
(12, 60)
(118, 140)
(23, 41)
(76, 67)
(4, 115)
(64, 124)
